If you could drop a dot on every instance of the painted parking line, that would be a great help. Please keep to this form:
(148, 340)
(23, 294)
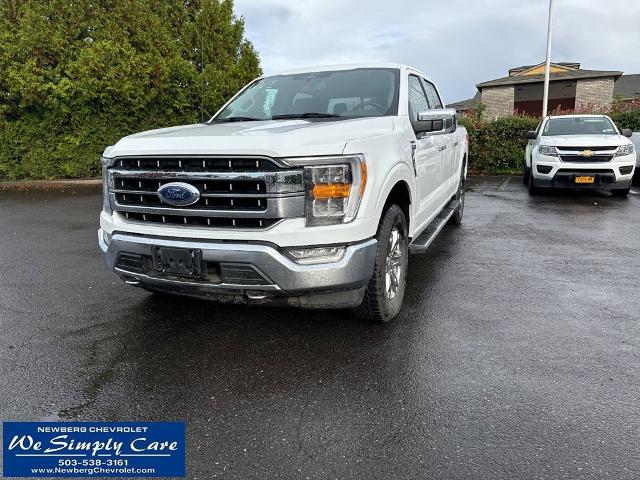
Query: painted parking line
(504, 184)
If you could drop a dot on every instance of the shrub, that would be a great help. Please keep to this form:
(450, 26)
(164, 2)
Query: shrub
(77, 76)
(497, 147)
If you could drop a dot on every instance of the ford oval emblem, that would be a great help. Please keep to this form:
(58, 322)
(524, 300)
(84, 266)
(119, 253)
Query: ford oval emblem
(178, 194)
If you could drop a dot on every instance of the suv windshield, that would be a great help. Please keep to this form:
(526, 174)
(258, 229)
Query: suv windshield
(579, 126)
(362, 92)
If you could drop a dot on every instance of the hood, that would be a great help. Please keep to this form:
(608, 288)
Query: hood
(584, 140)
(274, 138)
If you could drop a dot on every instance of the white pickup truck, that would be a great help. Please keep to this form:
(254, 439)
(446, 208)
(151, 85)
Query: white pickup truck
(579, 151)
(309, 188)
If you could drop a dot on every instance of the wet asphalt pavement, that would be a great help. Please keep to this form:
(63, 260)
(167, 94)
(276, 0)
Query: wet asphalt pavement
(517, 354)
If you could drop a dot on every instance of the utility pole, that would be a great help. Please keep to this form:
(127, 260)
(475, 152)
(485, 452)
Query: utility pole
(545, 98)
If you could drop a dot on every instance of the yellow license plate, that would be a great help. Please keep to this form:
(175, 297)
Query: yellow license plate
(585, 179)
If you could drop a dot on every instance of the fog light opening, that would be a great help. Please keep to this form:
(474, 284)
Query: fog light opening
(315, 255)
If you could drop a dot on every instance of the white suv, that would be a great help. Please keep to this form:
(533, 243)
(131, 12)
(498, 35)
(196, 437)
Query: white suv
(579, 151)
(308, 188)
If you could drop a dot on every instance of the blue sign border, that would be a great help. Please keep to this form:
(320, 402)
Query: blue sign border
(94, 449)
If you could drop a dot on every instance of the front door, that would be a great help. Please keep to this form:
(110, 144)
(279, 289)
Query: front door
(428, 156)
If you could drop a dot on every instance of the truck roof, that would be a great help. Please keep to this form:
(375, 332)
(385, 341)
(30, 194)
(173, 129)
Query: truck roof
(349, 66)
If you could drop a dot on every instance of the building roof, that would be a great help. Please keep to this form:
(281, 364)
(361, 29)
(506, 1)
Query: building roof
(568, 75)
(627, 86)
(465, 104)
(561, 65)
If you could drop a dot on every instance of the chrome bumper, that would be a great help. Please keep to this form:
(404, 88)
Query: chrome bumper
(282, 276)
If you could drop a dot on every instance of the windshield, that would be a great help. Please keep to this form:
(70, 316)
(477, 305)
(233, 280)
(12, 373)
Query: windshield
(579, 126)
(362, 92)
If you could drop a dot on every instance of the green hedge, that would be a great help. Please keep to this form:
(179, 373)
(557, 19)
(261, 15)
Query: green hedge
(77, 76)
(497, 147)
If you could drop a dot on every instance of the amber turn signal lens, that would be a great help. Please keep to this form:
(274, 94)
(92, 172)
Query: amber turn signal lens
(325, 191)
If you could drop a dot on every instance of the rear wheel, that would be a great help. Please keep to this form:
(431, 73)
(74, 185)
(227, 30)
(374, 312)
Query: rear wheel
(383, 299)
(456, 218)
(622, 192)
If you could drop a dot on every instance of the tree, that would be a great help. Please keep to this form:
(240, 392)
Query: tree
(76, 76)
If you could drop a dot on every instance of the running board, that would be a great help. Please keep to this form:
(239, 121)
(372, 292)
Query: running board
(429, 234)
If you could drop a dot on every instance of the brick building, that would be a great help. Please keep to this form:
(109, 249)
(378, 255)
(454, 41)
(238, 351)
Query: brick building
(569, 87)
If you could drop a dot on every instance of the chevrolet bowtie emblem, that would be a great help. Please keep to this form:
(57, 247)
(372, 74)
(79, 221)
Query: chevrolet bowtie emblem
(586, 153)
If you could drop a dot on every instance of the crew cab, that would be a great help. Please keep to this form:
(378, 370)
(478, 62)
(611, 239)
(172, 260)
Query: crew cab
(579, 151)
(308, 188)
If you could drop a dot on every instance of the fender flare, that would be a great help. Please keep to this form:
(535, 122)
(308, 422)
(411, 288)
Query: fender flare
(399, 173)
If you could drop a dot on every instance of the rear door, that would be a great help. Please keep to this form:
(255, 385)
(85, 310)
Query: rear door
(427, 155)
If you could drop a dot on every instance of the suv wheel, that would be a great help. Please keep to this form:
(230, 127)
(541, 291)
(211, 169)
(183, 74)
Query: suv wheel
(383, 299)
(533, 190)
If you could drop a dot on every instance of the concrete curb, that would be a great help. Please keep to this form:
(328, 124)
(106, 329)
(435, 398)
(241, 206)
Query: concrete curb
(28, 185)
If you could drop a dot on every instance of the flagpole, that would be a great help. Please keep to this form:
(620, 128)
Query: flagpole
(547, 67)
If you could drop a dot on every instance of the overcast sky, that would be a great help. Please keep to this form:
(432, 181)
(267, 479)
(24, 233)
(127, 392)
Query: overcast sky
(458, 43)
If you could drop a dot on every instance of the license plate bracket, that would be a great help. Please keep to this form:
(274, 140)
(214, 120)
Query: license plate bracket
(177, 261)
(582, 179)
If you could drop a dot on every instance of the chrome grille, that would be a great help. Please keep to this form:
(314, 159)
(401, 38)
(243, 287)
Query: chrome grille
(247, 192)
(197, 164)
(597, 154)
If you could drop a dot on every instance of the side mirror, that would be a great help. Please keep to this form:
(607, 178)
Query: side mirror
(530, 135)
(435, 121)
(626, 132)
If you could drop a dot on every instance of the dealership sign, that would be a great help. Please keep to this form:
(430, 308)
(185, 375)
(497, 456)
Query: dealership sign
(93, 449)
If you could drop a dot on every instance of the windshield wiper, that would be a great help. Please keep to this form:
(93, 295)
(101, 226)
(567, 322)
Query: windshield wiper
(238, 119)
(305, 115)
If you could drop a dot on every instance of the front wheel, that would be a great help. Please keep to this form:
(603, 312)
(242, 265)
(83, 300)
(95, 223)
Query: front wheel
(382, 300)
(533, 190)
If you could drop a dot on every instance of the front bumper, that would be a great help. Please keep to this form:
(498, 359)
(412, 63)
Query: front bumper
(245, 272)
(608, 176)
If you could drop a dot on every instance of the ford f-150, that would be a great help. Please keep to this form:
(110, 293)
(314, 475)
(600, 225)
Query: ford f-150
(308, 188)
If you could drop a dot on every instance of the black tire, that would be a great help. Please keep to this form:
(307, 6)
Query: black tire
(456, 218)
(622, 192)
(380, 304)
(533, 190)
(526, 174)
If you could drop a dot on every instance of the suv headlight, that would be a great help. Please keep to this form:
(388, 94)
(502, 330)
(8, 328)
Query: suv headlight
(334, 187)
(625, 150)
(106, 204)
(548, 150)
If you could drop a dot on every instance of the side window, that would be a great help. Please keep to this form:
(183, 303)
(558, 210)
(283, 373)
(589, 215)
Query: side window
(432, 95)
(417, 98)
(538, 128)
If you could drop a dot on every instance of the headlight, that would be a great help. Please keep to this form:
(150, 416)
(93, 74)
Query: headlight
(548, 150)
(106, 204)
(625, 150)
(334, 187)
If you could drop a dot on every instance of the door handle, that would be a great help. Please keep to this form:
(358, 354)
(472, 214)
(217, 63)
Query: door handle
(442, 147)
